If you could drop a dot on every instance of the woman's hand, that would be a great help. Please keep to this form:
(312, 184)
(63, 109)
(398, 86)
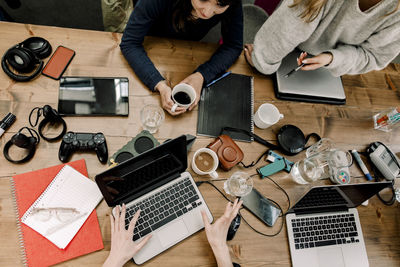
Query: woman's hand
(196, 81)
(316, 62)
(122, 246)
(217, 232)
(166, 100)
(248, 50)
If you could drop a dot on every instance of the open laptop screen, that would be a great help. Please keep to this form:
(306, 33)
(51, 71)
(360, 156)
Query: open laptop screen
(143, 173)
(325, 198)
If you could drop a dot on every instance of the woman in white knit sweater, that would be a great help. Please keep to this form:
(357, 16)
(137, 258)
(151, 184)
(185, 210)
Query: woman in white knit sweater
(345, 36)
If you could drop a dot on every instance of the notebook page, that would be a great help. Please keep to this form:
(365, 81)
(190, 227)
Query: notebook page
(69, 189)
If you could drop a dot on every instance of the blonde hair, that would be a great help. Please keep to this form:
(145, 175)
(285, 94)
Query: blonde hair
(312, 8)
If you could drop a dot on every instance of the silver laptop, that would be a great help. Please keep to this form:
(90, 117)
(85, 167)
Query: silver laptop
(310, 86)
(324, 228)
(156, 182)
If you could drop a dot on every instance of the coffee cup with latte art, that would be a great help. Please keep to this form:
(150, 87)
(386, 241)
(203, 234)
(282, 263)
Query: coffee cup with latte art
(205, 162)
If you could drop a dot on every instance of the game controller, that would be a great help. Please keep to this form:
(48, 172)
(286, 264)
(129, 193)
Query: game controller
(83, 141)
(340, 175)
(338, 167)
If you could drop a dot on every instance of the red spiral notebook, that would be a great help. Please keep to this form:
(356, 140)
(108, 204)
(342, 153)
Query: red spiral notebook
(36, 249)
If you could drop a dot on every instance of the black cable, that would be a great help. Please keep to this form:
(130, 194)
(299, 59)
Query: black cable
(283, 190)
(38, 114)
(278, 206)
(378, 176)
(254, 163)
(260, 233)
(216, 188)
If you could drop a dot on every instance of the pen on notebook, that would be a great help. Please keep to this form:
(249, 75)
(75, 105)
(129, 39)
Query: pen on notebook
(295, 69)
(219, 78)
(361, 164)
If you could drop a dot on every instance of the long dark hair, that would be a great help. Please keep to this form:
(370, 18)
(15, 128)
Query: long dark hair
(182, 12)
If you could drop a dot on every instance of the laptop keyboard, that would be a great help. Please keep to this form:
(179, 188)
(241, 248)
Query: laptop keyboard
(324, 231)
(163, 207)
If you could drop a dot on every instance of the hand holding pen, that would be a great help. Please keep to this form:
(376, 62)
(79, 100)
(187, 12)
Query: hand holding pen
(300, 63)
(311, 63)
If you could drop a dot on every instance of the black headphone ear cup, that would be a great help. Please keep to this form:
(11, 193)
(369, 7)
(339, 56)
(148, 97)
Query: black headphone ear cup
(16, 77)
(39, 46)
(50, 113)
(21, 59)
(21, 140)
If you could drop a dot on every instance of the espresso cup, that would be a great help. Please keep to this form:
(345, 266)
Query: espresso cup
(266, 116)
(205, 162)
(183, 95)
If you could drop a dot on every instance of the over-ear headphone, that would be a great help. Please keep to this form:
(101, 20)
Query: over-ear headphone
(25, 57)
(50, 116)
(26, 142)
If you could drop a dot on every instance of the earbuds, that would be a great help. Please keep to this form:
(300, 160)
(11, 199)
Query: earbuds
(23, 141)
(26, 57)
(50, 116)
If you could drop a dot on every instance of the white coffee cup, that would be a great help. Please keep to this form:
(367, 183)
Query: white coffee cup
(187, 92)
(266, 116)
(212, 170)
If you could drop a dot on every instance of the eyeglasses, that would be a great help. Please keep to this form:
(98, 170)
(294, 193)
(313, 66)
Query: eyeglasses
(60, 213)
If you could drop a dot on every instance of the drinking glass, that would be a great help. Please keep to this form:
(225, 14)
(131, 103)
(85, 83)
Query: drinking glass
(325, 144)
(320, 166)
(151, 116)
(239, 184)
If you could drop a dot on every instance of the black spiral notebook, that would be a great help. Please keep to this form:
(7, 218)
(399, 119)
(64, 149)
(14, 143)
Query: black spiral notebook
(227, 103)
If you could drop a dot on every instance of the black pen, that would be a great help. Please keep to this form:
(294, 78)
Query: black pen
(295, 69)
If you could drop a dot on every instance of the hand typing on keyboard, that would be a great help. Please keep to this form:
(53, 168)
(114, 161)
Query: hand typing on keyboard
(122, 246)
(217, 232)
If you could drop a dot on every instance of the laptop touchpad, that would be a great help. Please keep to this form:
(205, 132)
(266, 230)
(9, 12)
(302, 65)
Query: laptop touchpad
(330, 257)
(172, 233)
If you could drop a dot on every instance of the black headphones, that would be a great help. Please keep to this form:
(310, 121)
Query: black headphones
(50, 116)
(24, 58)
(23, 141)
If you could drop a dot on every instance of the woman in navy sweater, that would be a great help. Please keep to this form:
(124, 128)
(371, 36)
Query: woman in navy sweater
(188, 20)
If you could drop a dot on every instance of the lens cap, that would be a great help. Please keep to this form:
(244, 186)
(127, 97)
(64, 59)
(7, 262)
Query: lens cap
(291, 139)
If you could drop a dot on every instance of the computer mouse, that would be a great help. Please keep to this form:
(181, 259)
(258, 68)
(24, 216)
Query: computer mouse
(233, 227)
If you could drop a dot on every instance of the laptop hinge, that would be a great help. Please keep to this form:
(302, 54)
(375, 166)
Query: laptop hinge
(320, 210)
(150, 188)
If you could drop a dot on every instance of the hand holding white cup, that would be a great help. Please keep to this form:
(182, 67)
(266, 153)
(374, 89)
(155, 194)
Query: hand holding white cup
(266, 116)
(183, 95)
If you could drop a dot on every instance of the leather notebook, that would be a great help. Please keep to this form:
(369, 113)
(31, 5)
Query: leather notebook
(227, 103)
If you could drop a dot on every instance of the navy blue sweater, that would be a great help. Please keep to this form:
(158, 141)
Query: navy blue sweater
(154, 17)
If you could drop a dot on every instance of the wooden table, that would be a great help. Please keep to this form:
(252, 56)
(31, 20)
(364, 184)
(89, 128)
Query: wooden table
(98, 54)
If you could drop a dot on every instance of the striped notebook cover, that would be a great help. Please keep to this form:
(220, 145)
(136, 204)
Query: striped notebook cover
(227, 103)
(36, 250)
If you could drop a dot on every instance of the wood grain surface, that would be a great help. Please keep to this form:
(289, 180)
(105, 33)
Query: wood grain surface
(350, 126)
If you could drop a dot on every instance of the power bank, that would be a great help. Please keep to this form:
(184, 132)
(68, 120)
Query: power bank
(58, 62)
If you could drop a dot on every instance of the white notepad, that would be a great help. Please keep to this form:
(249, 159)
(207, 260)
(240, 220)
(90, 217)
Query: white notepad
(69, 189)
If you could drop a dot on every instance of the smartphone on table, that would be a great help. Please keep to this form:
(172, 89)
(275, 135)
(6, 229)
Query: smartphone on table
(58, 62)
(261, 207)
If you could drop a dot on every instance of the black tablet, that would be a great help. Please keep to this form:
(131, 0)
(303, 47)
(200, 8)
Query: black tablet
(93, 96)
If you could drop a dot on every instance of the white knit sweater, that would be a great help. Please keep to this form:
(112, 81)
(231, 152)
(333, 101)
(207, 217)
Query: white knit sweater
(359, 41)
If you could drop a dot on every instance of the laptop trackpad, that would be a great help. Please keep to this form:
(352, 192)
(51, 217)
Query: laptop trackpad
(330, 257)
(172, 233)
